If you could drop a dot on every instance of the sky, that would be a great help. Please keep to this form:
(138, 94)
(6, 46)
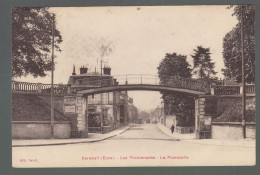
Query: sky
(141, 36)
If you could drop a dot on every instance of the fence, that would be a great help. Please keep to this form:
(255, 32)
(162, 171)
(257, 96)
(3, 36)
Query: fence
(233, 90)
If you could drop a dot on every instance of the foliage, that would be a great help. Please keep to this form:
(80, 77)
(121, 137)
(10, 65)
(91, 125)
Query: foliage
(31, 41)
(173, 65)
(176, 103)
(232, 46)
(182, 106)
(203, 65)
(234, 113)
(94, 120)
(100, 48)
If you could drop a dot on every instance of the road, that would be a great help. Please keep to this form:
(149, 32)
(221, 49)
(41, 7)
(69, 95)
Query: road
(142, 145)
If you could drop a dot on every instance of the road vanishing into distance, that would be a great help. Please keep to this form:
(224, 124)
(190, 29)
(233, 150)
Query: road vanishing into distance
(141, 145)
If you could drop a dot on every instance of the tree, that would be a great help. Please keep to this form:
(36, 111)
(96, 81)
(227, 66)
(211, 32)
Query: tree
(182, 106)
(174, 65)
(31, 41)
(203, 65)
(100, 48)
(232, 46)
(179, 104)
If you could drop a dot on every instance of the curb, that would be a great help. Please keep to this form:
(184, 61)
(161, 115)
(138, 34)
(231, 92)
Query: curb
(170, 135)
(125, 130)
(193, 141)
(76, 142)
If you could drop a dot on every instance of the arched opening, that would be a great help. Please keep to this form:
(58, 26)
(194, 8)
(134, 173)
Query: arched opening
(115, 112)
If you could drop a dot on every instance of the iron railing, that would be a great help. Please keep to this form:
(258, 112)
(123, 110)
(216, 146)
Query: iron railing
(133, 79)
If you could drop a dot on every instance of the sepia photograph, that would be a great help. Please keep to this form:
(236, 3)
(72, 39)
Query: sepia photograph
(133, 86)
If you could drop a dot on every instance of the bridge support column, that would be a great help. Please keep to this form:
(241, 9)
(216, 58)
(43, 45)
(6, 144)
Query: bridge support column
(199, 106)
(81, 118)
(202, 121)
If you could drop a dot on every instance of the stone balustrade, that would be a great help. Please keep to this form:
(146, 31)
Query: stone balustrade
(233, 90)
(39, 88)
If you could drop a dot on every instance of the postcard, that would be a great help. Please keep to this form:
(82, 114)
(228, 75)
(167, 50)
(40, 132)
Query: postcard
(133, 86)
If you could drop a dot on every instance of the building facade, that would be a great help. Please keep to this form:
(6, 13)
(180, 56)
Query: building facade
(114, 104)
(132, 111)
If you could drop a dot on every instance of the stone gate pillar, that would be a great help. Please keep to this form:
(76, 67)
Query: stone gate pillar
(81, 118)
(202, 120)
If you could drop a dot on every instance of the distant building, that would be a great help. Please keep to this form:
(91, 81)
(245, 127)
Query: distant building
(132, 111)
(158, 113)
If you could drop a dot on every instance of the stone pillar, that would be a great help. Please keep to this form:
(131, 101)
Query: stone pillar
(199, 116)
(86, 117)
(80, 110)
(203, 117)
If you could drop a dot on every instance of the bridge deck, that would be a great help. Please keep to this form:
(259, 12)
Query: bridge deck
(134, 87)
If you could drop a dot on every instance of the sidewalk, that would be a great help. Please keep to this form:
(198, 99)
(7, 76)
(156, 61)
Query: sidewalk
(248, 142)
(176, 135)
(92, 137)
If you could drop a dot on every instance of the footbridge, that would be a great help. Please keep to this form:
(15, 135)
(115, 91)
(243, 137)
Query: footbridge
(146, 82)
(132, 82)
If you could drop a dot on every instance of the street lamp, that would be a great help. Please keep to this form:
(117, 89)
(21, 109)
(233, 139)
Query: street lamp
(101, 98)
(52, 74)
(243, 75)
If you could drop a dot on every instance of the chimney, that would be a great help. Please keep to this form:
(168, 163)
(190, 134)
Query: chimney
(83, 70)
(73, 73)
(107, 70)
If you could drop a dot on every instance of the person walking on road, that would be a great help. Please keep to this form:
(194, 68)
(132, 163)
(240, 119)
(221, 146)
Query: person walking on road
(172, 128)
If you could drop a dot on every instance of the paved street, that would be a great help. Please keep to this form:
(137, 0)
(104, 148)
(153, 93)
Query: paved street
(141, 145)
(144, 132)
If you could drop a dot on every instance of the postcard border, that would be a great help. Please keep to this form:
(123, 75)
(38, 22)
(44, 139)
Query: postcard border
(5, 90)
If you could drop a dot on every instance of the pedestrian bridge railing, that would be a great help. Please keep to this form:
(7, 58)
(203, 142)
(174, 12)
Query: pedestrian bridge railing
(146, 79)
(134, 79)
